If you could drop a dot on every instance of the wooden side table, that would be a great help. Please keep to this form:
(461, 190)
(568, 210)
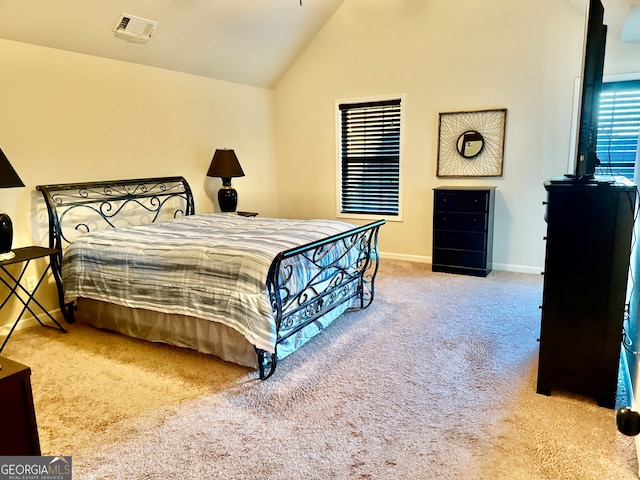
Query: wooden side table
(19, 433)
(24, 256)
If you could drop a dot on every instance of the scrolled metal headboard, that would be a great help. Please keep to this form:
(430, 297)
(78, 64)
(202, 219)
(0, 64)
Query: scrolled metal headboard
(77, 208)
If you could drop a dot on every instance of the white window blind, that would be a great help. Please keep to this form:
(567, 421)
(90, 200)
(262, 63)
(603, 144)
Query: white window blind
(619, 127)
(370, 157)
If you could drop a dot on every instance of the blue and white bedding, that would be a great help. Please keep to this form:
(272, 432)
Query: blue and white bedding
(212, 267)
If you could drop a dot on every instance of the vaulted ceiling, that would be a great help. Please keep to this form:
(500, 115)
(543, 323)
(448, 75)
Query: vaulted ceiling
(621, 16)
(252, 42)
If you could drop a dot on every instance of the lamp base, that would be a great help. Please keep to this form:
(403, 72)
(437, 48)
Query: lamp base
(7, 256)
(6, 237)
(227, 199)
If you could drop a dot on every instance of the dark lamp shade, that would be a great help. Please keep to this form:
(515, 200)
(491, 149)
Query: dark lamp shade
(8, 176)
(225, 164)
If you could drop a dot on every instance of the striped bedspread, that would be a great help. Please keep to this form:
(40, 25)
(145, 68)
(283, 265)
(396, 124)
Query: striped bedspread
(208, 266)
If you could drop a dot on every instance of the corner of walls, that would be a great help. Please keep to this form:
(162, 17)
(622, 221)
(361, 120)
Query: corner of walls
(355, 56)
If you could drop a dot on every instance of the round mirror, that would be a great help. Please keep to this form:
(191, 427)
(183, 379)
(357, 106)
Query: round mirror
(470, 144)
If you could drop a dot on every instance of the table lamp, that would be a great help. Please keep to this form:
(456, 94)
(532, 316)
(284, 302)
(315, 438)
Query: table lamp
(225, 165)
(8, 179)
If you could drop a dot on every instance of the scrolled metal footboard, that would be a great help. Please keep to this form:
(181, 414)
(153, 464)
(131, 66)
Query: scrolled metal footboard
(340, 270)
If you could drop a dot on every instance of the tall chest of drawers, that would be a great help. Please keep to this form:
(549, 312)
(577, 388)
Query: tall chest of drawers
(463, 230)
(590, 227)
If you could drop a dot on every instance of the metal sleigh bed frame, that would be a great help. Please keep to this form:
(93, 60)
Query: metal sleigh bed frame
(77, 208)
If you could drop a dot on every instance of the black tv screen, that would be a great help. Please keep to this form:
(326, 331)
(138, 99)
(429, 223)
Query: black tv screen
(586, 160)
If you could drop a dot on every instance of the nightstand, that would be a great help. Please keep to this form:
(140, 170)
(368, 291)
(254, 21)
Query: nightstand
(24, 256)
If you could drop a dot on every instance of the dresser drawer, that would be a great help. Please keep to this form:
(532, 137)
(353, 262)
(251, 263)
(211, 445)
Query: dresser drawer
(460, 258)
(472, 222)
(460, 240)
(462, 201)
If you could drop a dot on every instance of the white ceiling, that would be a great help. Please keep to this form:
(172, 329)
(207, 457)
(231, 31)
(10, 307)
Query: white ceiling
(620, 17)
(252, 42)
(631, 29)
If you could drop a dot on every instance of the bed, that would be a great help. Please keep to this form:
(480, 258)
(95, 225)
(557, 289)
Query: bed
(134, 257)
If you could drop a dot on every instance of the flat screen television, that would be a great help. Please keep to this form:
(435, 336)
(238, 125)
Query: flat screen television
(595, 38)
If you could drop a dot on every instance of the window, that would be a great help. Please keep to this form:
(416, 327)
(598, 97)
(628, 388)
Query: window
(369, 157)
(619, 127)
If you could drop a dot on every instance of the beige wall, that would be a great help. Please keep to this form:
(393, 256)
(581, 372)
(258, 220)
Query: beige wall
(444, 56)
(68, 117)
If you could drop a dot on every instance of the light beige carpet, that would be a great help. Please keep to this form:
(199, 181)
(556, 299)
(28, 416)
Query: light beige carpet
(436, 380)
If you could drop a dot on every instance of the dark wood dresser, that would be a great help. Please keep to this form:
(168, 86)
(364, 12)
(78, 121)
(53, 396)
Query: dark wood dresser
(19, 433)
(463, 230)
(589, 235)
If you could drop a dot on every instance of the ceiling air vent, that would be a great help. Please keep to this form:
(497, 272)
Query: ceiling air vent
(134, 29)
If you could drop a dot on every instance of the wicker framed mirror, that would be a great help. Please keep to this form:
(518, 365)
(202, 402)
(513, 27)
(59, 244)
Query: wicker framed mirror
(471, 144)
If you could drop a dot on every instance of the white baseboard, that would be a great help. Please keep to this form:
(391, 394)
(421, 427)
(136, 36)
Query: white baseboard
(517, 268)
(28, 322)
(496, 266)
(405, 258)
(22, 325)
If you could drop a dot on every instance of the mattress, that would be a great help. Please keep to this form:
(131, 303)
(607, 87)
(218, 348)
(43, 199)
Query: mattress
(210, 267)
